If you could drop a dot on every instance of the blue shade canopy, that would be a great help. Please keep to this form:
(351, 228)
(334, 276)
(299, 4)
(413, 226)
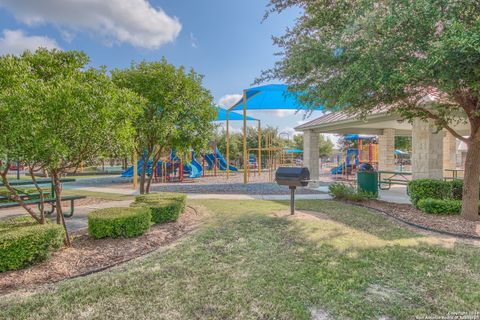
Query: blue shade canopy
(270, 97)
(293, 151)
(351, 137)
(232, 116)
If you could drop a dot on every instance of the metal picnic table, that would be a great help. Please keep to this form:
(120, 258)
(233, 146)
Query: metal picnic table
(394, 177)
(34, 198)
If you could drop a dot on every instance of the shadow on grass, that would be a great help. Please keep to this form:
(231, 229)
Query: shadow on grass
(357, 218)
(246, 263)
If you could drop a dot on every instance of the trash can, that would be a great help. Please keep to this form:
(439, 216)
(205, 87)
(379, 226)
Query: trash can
(367, 179)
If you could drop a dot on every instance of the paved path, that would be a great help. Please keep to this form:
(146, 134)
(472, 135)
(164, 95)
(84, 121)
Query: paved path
(79, 219)
(318, 196)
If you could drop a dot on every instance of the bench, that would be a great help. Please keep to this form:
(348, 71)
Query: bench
(34, 198)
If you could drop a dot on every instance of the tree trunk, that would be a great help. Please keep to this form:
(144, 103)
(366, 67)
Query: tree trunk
(41, 205)
(471, 182)
(154, 166)
(15, 197)
(143, 173)
(58, 206)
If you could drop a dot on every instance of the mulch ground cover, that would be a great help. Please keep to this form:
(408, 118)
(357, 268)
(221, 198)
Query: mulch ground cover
(452, 224)
(87, 255)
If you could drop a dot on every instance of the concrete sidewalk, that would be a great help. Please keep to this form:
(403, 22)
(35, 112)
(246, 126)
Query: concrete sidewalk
(79, 219)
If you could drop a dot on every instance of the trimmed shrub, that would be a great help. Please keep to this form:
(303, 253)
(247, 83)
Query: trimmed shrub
(343, 191)
(24, 242)
(164, 207)
(118, 222)
(428, 188)
(152, 197)
(440, 206)
(457, 189)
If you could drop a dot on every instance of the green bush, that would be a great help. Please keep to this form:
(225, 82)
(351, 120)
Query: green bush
(343, 191)
(119, 222)
(164, 207)
(24, 242)
(428, 188)
(440, 206)
(153, 197)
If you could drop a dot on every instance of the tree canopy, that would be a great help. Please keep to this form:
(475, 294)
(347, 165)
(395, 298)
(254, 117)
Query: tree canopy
(56, 112)
(358, 55)
(178, 113)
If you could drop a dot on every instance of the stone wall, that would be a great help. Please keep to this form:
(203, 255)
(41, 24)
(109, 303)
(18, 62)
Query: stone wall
(427, 150)
(449, 151)
(311, 153)
(386, 150)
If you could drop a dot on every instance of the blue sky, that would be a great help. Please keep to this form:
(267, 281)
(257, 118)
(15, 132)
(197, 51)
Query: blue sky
(225, 40)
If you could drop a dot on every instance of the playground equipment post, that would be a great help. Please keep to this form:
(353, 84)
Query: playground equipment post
(259, 160)
(135, 170)
(228, 147)
(245, 156)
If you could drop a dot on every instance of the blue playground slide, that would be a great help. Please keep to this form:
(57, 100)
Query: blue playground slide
(129, 172)
(193, 169)
(222, 163)
(210, 158)
(337, 170)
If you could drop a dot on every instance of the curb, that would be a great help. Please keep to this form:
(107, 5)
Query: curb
(447, 233)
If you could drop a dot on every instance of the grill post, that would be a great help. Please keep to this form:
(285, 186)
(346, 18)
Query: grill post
(292, 199)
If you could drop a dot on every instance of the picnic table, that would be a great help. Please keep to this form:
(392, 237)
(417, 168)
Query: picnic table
(454, 173)
(34, 197)
(387, 178)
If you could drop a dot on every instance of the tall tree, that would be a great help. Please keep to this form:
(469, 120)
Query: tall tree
(325, 146)
(178, 114)
(62, 114)
(362, 54)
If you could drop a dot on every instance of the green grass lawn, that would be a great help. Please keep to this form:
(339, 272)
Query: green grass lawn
(246, 263)
(98, 195)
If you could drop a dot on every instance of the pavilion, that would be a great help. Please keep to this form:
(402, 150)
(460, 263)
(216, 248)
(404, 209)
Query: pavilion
(433, 151)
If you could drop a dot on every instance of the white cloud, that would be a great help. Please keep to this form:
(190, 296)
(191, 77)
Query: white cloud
(193, 40)
(117, 21)
(284, 113)
(16, 41)
(229, 100)
(291, 132)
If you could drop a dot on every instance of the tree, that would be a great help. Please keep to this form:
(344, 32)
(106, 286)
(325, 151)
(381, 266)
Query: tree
(236, 144)
(269, 134)
(325, 146)
(359, 55)
(62, 114)
(403, 143)
(178, 114)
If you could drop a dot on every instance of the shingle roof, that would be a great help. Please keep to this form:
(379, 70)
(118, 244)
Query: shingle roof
(333, 117)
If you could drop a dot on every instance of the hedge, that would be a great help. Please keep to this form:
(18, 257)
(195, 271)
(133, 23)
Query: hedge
(440, 206)
(164, 207)
(153, 197)
(24, 242)
(428, 188)
(118, 222)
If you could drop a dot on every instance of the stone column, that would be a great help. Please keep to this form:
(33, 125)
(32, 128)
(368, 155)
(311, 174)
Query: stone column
(386, 150)
(311, 153)
(427, 150)
(449, 151)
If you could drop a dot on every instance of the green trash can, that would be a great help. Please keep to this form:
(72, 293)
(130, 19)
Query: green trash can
(367, 181)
